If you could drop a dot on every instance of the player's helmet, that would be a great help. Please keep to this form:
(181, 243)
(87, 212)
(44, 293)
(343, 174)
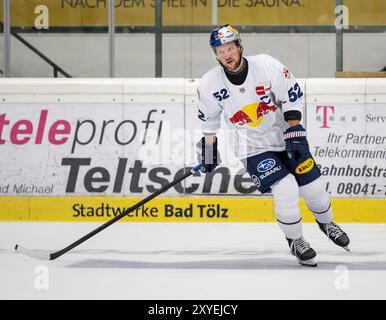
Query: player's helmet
(222, 35)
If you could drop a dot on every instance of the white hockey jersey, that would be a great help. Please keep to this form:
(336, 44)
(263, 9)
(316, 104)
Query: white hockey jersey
(254, 111)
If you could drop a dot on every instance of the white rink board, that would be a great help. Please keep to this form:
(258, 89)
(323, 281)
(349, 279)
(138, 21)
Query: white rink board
(130, 136)
(97, 137)
(346, 124)
(349, 145)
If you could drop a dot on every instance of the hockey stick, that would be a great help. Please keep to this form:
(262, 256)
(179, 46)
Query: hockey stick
(52, 256)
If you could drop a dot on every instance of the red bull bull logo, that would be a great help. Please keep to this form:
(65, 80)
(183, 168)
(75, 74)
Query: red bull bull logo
(219, 36)
(252, 114)
(286, 73)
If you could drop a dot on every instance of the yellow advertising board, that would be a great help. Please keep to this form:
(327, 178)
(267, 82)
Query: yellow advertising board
(85, 13)
(168, 209)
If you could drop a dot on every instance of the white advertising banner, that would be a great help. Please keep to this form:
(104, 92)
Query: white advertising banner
(130, 137)
(348, 142)
(89, 149)
(107, 149)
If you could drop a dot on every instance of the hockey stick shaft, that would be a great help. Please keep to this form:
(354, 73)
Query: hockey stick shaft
(55, 255)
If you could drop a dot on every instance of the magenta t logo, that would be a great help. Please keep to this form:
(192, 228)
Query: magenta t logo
(325, 113)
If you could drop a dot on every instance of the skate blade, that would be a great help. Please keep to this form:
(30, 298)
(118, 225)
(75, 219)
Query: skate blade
(347, 248)
(308, 263)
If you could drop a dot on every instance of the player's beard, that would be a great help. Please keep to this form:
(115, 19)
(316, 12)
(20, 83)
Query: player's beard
(237, 65)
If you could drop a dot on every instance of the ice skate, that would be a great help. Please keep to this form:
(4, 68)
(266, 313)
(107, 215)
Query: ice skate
(335, 233)
(301, 249)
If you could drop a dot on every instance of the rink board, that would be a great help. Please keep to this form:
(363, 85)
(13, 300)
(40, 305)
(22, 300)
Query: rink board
(169, 209)
(43, 142)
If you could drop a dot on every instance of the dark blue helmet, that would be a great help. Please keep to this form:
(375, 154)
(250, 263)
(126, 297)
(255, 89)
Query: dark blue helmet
(222, 35)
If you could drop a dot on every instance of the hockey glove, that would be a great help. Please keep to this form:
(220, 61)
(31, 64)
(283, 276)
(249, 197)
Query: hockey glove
(207, 155)
(296, 143)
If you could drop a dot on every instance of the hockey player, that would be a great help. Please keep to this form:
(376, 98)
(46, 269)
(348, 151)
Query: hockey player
(262, 104)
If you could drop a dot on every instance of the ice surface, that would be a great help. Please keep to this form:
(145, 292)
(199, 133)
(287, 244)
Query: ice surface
(189, 261)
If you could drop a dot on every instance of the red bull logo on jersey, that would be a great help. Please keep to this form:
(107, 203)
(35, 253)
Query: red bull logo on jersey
(252, 114)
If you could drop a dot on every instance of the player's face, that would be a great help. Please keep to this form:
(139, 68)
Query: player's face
(230, 56)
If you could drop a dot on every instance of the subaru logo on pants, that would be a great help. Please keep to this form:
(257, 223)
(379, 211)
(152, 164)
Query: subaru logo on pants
(265, 165)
